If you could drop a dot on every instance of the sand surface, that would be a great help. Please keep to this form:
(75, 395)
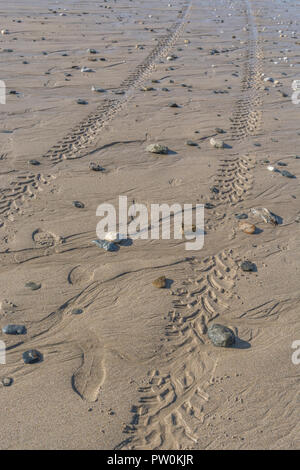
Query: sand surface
(136, 369)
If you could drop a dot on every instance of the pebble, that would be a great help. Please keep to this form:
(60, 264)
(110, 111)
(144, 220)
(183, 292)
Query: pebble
(220, 335)
(218, 144)
(248, 266)
(34, 162)
(86, 69)
(77, 311)
(191, 143)
(157, 148)
(81, 101)
(241, 216)
(173, 105)
(246, 227)
(14, 330)
(287, 174)
(78, 204)
(267, 216)
(160, 282)
(31, 356)
(95, 167)
(33, 286)
(98, 90)
(107, 246)
(208, 205)
(6, 381)
(219, 130)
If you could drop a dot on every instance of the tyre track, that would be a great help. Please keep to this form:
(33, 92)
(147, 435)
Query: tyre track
(170, 408)
(247, 114)
(76, 143)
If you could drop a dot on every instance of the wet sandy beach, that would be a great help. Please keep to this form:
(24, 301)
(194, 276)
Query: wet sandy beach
(125, 365)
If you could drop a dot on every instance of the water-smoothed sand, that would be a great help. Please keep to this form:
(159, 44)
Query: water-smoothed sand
(136, 369)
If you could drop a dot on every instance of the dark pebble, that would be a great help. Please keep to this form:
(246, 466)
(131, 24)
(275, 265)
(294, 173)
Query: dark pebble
(14, 330)
(287, 174)
(78, 204)
(248, 266)
(34, 162)
(208, 205)
(33, 285)
(77, 311)
(7, 381)
(220, 335)
(32, 356)
(241, 216)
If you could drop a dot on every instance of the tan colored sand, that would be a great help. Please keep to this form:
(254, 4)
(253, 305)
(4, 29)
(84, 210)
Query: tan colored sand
(136, 369)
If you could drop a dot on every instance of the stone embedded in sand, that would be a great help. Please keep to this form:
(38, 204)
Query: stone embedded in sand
(287, 174)
(14, 330)
(31, 356)
(107, 246)
(78, 204)
(77, 311)
(191, 143)
(34, 162)
(160, 282)
(267, 216)
(33, 285)
(157, 148)
(95, 167)
(81, 101)
(246, 227)
(98, 90)
(147, 88)
(173, 105)
(208, 205)
(92, 51)
(7, 381)
(221, 336)
(4, 31)
(247, 266)
(218, 144)
(219, 130)
(241, 216)
(86, 69)
(172, 57)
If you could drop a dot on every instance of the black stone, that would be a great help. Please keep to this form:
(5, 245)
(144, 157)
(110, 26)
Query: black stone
(32, 356)
(14, 330)
(220, 335)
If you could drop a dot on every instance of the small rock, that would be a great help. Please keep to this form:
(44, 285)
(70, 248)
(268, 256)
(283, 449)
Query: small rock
(98, 90)
(31, 356)
(241, 216)
(219, 130)
(173, 105)
(208, 205)
(95, 167)
(246, 227)
(33, 286)
(7, 381)
(191, 143)
(220, 335)
(107, 246)
(81, 101)
(287, 174)
(160, 282)
(157, 148)
(77, 311)
(218, 144)
(14, 330)
(34, 162)
(78, 204)
(247, 266)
